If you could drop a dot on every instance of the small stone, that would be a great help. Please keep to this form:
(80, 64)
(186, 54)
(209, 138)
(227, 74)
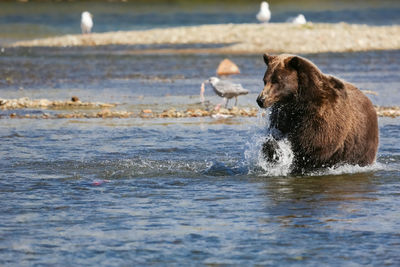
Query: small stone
(227, 67)
(219, 116)
(43, 103)
(104, 113)
(224, 111)
(198, 113)
(75, 99)
(146, 116)
(147, 111)
(234, 111)
(106, 105)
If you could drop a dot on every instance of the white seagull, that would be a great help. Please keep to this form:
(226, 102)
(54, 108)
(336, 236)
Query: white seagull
(224, 89)
(299, 20)
(264, 15)
(86, 22)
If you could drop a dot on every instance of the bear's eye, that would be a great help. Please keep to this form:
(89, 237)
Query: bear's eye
(274, 79)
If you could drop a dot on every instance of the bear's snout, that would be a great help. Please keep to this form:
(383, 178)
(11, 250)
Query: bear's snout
(265, 100)
(260, 101)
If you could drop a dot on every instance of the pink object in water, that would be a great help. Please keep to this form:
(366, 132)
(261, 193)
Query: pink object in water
(99, 182)
(202, 93)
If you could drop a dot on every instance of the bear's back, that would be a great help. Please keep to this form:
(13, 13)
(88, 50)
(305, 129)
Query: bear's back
(343, 131)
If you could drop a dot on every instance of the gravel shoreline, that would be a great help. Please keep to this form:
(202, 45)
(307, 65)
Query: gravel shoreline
(108, 112)
(243, 38)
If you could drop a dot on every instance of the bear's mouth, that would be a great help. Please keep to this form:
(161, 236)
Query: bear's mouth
(266, 102)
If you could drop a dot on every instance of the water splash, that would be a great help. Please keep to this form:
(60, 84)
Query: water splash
(254, 163)
(259, 165)
(349, 169)
(254, 157)
(217, 168)
(144, 167)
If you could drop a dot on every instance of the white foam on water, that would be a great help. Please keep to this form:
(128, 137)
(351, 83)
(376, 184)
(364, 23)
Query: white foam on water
(254, 157)
(145, 167)
(258, 163)
(349, 169)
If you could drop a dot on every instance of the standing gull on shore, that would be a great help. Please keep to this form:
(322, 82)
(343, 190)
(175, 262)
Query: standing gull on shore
(224, 89)
(86, 22)
(264, 15)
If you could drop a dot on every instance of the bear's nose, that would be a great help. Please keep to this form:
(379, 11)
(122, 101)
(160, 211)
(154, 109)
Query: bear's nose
(260, 101)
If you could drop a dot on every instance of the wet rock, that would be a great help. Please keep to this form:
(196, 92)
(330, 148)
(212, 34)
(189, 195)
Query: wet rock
(196, 113)
(45, 116)
(106, 105)
(64, 116)
(104, 113)
(146, 114)
(170, 113)
(43, 103)
(219, 116)
(227, 67)
(234, 111)
(223, 111)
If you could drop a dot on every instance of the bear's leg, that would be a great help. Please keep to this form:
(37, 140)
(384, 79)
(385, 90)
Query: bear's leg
(269, 150)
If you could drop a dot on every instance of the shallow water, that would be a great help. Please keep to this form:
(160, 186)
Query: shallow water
(188, 191)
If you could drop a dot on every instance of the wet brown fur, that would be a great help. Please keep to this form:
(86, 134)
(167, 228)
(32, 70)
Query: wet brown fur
(328, 121)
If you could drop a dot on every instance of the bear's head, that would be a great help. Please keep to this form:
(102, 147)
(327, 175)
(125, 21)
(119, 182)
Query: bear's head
(292, 79)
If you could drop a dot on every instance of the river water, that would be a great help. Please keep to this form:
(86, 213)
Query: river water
(189, 191)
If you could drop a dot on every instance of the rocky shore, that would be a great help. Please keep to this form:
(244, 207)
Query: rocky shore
(243, 38)
(388, 111)
(106, 111)
(25, 102)
(144, 114)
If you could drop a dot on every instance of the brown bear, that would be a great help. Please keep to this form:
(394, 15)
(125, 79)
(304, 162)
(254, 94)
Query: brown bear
(327, 121)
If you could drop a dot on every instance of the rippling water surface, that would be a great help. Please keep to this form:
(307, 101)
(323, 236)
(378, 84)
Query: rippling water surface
(189, 191)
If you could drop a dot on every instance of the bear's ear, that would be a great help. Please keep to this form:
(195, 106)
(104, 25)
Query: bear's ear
(295, 63)
(335, 82)
(267, 59)
(302, 65)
